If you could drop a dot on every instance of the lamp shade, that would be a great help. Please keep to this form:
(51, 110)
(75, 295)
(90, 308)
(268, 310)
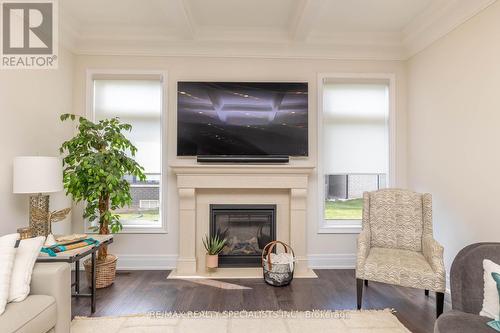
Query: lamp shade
(37, 174)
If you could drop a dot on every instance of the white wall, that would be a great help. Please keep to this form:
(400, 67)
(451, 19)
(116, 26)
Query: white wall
(454, 131)
(327, 249)
(30, 104)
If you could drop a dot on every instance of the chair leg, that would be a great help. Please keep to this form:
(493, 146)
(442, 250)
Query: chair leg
(359, 293)
(366, 283)
(426, 292)
(439, 303)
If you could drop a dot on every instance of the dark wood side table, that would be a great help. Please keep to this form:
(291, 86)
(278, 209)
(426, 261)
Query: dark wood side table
(74, 256)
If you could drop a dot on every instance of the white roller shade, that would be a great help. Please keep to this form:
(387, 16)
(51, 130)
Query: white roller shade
(125, 98)
(355, 128)
(138, 103)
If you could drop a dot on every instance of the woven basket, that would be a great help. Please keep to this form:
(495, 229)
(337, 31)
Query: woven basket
(105, 271)
(278, 275)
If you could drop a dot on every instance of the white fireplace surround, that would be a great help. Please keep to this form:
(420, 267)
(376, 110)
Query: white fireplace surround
(202, 185)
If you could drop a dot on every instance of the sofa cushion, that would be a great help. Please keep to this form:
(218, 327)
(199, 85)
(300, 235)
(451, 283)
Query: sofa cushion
(401, 267)
(26, 255)
(491, 307)
(7, 257)
(37, 313)
(460, 322)
(396, 219)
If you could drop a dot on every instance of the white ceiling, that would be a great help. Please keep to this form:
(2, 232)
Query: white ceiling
(368, 15)
(385, 29)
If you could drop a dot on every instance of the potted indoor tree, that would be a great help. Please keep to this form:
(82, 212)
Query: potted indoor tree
(214, 246)
(96, 161)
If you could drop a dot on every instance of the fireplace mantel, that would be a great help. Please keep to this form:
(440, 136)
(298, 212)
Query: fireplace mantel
(223, 169)
(242, 176)
(290, 181)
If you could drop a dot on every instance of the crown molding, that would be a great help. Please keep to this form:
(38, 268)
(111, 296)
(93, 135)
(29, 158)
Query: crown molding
(438, 20)
(247, 49)
(295, 41)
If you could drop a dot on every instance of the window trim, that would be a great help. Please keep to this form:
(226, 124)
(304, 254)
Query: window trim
(352, 226)
(124, 74)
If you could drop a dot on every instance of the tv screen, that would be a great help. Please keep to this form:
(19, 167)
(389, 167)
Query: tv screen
(242, 118)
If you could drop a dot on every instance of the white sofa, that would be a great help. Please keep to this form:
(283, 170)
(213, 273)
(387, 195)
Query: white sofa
(48, 306)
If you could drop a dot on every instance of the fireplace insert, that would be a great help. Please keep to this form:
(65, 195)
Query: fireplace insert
(247, 229)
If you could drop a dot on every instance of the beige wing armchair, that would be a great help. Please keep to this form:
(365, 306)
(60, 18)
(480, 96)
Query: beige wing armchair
(397, 246)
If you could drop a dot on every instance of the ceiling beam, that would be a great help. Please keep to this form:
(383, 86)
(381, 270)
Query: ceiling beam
(188, 23)
(185, 24)
(303, 18)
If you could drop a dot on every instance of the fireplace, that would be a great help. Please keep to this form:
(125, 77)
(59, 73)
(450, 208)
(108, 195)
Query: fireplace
(247, 228)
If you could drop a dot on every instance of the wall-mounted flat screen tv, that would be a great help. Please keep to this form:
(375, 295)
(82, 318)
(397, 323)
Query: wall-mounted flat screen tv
(242, 118)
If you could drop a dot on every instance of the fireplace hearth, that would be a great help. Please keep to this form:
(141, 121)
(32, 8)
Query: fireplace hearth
(247, 228)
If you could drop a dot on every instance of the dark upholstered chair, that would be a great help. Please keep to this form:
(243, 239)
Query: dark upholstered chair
(467, 288)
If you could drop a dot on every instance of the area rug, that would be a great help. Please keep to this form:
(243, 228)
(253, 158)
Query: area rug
(367, 321)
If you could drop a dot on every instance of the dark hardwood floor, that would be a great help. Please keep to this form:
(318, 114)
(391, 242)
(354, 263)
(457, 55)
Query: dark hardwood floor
(136, 292)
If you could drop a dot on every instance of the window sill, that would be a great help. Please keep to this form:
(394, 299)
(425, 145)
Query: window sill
(340, 227)
(137, 230)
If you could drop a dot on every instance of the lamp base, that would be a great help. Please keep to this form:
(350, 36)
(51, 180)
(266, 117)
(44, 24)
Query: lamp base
(39, 228)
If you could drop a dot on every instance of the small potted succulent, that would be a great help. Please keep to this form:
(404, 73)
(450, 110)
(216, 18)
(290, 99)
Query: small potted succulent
(214, 246)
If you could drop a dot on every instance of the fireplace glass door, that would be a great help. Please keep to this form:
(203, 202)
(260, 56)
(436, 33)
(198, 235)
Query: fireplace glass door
(246, 228)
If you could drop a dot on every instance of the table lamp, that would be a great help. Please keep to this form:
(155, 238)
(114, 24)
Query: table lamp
(37, 175)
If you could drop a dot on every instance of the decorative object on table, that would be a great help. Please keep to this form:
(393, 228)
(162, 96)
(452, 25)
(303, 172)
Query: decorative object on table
(24, 232)
(37, 175)
(50, 241)
(58, 248)
(66, 239)
(213, 245)
(96, 161)
(397, 246)
(278, 268)
(47, 218)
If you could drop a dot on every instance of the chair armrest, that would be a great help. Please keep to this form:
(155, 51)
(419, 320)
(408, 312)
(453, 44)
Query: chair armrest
(54, 279)
(363, 251)
(433, 253)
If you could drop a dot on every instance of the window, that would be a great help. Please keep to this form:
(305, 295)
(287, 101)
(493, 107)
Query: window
(148, 204)
(354, 146)
(136, 100)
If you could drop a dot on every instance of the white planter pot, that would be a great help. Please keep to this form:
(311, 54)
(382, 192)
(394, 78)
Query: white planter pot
(212, 261)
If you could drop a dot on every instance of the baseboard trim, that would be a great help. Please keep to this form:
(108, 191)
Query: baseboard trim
(332, 261)
(146, 261)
